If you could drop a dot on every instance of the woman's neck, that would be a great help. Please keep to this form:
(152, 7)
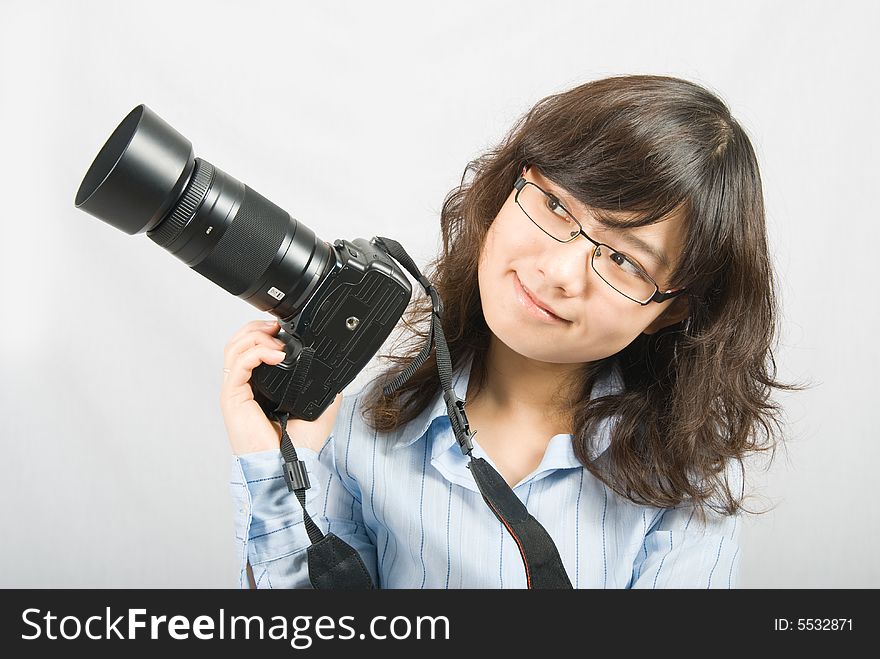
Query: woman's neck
(521, 388)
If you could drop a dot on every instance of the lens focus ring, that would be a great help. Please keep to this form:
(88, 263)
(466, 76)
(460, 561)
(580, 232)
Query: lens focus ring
(190, 200)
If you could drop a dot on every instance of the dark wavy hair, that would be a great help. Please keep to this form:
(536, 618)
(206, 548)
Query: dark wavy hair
(697, 395)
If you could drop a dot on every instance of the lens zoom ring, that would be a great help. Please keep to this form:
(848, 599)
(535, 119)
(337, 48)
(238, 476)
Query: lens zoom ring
(195, 192)
(248, 245)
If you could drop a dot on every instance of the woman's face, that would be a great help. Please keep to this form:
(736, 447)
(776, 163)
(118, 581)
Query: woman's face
(596, 321)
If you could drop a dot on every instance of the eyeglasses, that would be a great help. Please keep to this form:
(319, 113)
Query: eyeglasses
(620, 271)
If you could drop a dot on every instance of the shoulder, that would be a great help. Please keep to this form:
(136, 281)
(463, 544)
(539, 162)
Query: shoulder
(349, 419)
(353, 439)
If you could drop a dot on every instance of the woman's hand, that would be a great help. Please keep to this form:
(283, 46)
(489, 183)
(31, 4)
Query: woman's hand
(248, 427)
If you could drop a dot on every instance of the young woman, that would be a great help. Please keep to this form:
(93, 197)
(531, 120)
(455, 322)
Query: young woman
(609, 309)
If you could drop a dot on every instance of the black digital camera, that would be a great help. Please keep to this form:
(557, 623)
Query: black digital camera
(337, 304)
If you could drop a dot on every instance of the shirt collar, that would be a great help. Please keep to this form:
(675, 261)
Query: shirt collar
(560, 452)
(417, 427)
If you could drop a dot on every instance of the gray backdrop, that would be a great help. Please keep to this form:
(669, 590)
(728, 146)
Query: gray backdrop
(358, 118)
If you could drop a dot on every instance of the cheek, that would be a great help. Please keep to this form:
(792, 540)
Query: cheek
(495, 279)
(488, 273)
(504, 251)
(498, 245)
(509, 242)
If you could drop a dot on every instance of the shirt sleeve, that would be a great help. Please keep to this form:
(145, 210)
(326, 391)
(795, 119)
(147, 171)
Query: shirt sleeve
(682, 552)
(270, 533)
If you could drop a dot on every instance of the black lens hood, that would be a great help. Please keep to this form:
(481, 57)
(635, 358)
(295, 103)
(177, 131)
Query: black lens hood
(139, 173)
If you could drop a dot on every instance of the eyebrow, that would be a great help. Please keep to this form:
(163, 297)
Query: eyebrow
(652, 251)
(659, 256)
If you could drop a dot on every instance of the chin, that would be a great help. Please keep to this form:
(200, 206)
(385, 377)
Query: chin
(533, 346)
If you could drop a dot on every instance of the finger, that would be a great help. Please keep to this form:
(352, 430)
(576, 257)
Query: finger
(248, 341)
(265, 326)
(242, 367)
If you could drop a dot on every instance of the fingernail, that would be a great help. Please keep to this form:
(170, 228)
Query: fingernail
(271, 322)
(280, 353)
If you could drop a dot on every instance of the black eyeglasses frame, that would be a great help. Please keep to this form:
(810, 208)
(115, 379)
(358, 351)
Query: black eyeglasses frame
(521, 182)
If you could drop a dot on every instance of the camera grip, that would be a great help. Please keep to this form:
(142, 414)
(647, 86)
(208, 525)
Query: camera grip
(277, 387)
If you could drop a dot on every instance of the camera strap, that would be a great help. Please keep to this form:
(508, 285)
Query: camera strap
(333, 563)
(540, 557)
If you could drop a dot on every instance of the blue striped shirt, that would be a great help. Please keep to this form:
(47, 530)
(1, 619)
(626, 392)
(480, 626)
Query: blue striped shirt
(407, 502)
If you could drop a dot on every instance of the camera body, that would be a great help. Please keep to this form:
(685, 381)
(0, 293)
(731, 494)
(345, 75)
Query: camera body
(346, 320)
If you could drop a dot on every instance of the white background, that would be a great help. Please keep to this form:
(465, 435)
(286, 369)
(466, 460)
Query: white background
(357, 118)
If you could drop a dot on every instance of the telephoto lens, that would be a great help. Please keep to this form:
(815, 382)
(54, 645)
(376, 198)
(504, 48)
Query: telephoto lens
(336, 303)
(146, 179)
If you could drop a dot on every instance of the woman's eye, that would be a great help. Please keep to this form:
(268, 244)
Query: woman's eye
(556, 207)
(628, 265)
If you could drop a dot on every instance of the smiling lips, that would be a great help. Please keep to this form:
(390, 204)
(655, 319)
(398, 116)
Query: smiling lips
(535, 301)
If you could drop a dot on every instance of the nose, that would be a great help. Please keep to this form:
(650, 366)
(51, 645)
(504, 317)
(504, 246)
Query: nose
(566, 266)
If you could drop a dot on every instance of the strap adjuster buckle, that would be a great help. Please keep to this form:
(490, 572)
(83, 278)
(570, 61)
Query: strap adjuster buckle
(455, 409)
(296, 476)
